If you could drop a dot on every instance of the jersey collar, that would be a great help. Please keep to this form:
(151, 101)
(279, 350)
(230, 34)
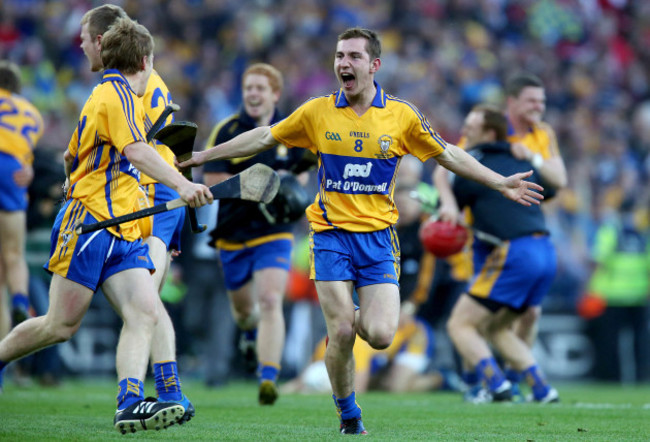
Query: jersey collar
(511, 130)
(114, 75)
(378, 101)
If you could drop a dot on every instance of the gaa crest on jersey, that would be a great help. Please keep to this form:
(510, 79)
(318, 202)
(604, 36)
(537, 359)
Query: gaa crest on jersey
(385, 141)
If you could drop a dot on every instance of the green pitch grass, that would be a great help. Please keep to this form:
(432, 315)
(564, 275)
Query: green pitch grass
(82, 410)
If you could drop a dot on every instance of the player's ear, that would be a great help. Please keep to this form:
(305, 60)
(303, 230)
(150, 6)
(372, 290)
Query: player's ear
(374, 65)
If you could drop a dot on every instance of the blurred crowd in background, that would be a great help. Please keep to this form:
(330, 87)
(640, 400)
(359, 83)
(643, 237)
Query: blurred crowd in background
(444, 56)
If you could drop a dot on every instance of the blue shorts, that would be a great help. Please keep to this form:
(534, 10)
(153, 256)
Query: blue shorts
(92, 258)
(167, 226)
(365, 258)
(517, 274)
(239, 265)
(13, 198)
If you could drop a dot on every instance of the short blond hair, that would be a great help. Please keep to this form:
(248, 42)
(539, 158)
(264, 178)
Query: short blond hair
(124, 46)
(101, 18)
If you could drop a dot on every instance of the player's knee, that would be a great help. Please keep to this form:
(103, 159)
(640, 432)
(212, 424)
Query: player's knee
(270, 301)
(494, 332)
(343, 336)
(61, 332)
(379, 338)
(453, 324)
(530, 316)
(380, 342)
(12, 256)
(144, 316)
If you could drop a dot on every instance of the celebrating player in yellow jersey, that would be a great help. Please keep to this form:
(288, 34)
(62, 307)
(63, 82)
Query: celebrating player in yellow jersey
(359, 134)
(532, 140)
(103, 163)
(160, 232)
(21, 126)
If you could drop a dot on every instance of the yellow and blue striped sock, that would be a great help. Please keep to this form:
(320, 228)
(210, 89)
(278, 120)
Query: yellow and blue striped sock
(269, 371)
(347, 408)
(168, 386)
(129, 391)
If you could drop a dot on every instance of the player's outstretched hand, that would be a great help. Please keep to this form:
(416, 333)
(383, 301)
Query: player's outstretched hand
(523, 192)
(194, 161)
(196, 195)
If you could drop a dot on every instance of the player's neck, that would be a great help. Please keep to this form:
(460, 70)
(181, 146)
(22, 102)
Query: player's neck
(361, 102)
(520, 127)
(138, 82)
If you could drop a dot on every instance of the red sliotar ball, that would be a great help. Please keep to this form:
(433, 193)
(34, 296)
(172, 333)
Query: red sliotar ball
(442, 238)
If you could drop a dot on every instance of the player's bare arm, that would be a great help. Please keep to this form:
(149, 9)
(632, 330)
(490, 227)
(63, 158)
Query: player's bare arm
(243, 145)
(448, 210)
(513, 187)
(552, 170)
(67, 168)
(149, 162)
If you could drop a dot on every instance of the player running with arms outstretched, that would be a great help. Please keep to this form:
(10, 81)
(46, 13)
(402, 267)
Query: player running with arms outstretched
(359, 134)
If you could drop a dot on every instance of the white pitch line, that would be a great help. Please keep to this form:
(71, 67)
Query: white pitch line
(606, 406)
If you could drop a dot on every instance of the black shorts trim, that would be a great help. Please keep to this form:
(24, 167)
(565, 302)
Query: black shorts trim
(495, 306)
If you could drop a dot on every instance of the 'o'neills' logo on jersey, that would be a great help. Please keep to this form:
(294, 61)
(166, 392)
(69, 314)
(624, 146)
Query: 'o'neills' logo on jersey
(332, 136)
(359, 170)
(355, 134)
(385, 141)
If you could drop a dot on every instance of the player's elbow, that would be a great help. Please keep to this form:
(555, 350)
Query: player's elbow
(266, 137)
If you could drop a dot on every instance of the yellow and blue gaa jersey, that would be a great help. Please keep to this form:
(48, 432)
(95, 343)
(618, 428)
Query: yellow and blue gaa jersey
(102, 178)
(155, 98)
(539, 139)
(21, 126)
(358, 156)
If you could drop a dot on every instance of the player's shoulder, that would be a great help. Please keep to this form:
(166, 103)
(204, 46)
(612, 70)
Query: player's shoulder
(320, 100)
(312, 107)
(24, 103)
(401, 106)
(156, 81)
(156, 89)
(109, 97)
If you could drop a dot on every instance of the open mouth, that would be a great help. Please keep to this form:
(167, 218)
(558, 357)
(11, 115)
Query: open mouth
(347, 80)
(254, 104)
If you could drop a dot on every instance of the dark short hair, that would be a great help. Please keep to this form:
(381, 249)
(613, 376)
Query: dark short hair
(124, 45)
(519, 81)
(373, 45)
(9, 76)
(101, 18)
(493, 119)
